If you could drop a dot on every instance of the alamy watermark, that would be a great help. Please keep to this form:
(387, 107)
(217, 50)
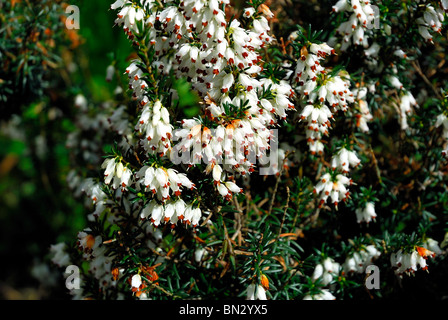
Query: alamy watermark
(72, 21)
(73, 280)
(375, 22)
(373, 277)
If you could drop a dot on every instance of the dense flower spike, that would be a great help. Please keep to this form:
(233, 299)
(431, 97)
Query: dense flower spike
(353, 30)
(321, 92)
(155, 126)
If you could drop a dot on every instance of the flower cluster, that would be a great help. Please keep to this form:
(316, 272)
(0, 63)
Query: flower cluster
(361, 18)
(164, 183)
(333, 185)
(154, 124)
(322, 92)
(359, 260)
(326, 271)
(343, 159)
(367, 213)
(172, 211)
(114, 171)
(220, 62)
(408, 262)
(431, 20)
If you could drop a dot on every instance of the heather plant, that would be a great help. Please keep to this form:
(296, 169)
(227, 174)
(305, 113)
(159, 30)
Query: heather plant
(264, 150)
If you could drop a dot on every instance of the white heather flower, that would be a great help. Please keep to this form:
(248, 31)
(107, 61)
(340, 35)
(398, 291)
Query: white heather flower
(373, 50)
(256, 292)
(197, 214)
(409, 262)
(97, 195)
(119, 121)
(316, 147)
(325, 271)
(128, 15)
(400, 53)
(109, 165)
(366, 214)
(442, 121)
(407, 102)
(227, 82)
(154, 125)
(117, 4)
(364, 115)
(81, 102)
(60, 255)
(180, 208)
(343, 159)
(125, 179)
(325, 294)
(334, 187)
(395, 82)
(233, 187)
(248, 12)
(266, 11)
(341, 5)
(217, 173)
(169, 212)
(157, 214)
(223, 191)
(353, 31)
(359, 260)
(433, 246)
(444, 4)
(110, 73)
(198, 254)
(136, 281)
(87, 242)
(249, 82)
(431, 20)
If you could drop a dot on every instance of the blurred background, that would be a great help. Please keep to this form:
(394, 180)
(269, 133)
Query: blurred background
(43, 65)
